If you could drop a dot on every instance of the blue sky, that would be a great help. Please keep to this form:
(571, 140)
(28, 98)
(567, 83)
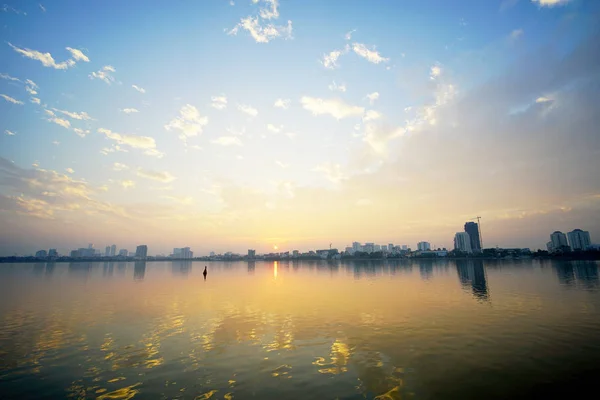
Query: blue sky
(226, 125)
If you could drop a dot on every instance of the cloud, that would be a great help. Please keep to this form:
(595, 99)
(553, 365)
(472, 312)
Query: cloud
(329, 60)
(9, 78)
(515, 34)
(219, 102)
(189, 123)
(7, 8)
(274, 129)
(372, 97)
(550, 3)
(334, 107)
(282, 103)
(45, 58)
(228, 141)
(126, 184)
(262, 33)
(129, 110)
(139, 89)
(35, 100)
(333, 172)
(161, 176)
(82, 116)
(70, 170)
(9, 133)
(335, 87)
(348, 35)
(120, 167)
(11, 100)
(134, 141)
(78, 55)
(60, 121)
(105, 74)
(81, 132)
(42, 7)
(434, 72)
(282, 164)
(371, 115)
(270, 11)
(370, 55)
(246, 109)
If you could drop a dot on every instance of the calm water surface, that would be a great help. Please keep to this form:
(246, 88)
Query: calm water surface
(307, 330)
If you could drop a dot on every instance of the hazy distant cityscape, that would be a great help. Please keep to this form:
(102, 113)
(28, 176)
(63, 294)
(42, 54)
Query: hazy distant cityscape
(467, 243)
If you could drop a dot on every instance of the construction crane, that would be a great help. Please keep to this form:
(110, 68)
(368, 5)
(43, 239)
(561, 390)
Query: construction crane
(479, 226)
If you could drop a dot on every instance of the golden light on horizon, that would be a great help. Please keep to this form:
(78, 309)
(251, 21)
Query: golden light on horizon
(275, 247)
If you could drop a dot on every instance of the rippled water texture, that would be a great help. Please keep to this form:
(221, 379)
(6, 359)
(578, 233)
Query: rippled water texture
(308, 330)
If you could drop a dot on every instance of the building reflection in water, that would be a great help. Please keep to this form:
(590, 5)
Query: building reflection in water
(587, 273)
(471, 273)
(251, 267)
(564, 271)
(50, 268)
(181, 268)
(80, 269)
(139, 270)
(108, 268)
(426, 269)
(38, 268)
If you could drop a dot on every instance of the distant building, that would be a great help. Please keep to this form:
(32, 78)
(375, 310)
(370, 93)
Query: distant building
(123, 253)
(377, 248)
(212, 254)
(141, 252)
(252, 253)
(423, 246)
(74, 253)
(549, 247)
(559, 241)
(52, 253)
(296, 253)
(131, 254)
(90, 252)
(369, 247)
(356, 246)
(579, 240)
(404, 247)
(462, 242)
(472, 228)
(390, 247)
(41, 254)
(113, 250)
(107, 251)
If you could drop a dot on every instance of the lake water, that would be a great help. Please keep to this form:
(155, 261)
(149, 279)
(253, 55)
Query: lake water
(299, 330)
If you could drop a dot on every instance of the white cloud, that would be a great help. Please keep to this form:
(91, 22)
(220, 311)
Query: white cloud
(435, 72)
(9, 78)
(126, 184)
(9, 133)
(334, 107)
(31, 86)
(372, 97)
(335, 87)
(274, 129)
(139, 89)
(348, 36)
(81, 132)
(262, 33)
(56, 142)
(154, 153)
(129, 110)
(35, 100)
(120, 167)
(371, 115)
(105, 74)
(78, 55)
(370, 55)
(11, 100)
(517, 33)
(161, 176)
(329, 61)
(62, 122)
(270, 11)
(543, 99)
(42, 7)
(282, 103)
(228, 141)
(282, 164)
(7, 8)
(70, 170)
(550, 3)
(45, 58)
(135, 141)
(332, 172)
(189, 122)
(82, 116)
(246, 109)
(219, 102)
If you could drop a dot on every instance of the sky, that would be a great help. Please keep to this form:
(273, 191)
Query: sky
(228, 125)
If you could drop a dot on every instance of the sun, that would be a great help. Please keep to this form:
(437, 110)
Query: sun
(275, 247)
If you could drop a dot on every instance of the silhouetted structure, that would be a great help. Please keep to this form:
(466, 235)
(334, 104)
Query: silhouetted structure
(205, 272)
(141, 252)
(472, 273)
(472, 228)
(139, 270)
(579, 240)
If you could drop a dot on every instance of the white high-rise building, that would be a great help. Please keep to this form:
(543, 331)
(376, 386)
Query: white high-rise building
(559, 240)
(107, 251)
(369, 247)
(579, 240)
(390, 247)
(424, 246)
(462, 242)
(113, 250)
(356, 246)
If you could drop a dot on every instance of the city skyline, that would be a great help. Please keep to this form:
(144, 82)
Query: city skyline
(267, 123)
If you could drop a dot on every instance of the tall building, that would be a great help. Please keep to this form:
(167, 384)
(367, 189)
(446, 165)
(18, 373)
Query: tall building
(559, 241)
(141, 252)
(390, 247)
(41, 254)
(579, 240)
(52, 253)
(251, 253)
(369, 247)
(123, 252)
(113, 250)
(107, 251)
(462, 242)
(472, 228)
(74, 253)
(404, 247)
(424, 246)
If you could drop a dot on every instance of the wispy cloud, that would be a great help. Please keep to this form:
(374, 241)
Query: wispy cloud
(31, 87)
(335, 87)
(47, 60)
(139, 142)
(370, 55)
(81, 132)
(120, 167)
(282, 103)
(260, 32)
(373, 97)
(82, 116)
(7, 8)
(9, 133)
(161, 176)
(515, 34)
(8, 77)
(218, 102)
(35, 100)
(227, 141)
(550, 3)
(330, 59)
(246, 109)
(70, 170)
(274, 129)
(42, 7)
(348, 35)
(126, 184)
(60, 121)
(282, 164)
(11, 100)
(435, 72)
(333, 172)
(334, 107)
(189, 123)
(371, 115)
(105, 74)
(139, 89)
(129, 110)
